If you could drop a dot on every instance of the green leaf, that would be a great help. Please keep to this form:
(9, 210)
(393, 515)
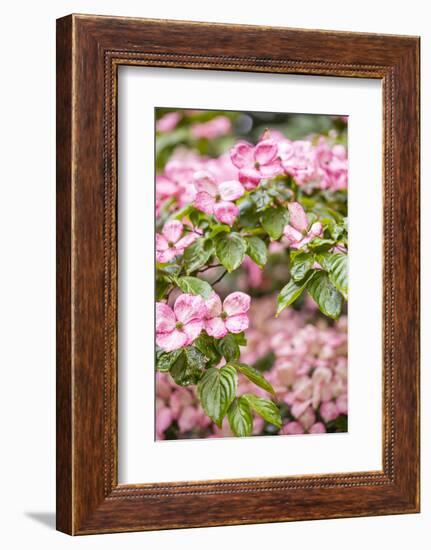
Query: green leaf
(261, 199)
(337, 267)
(231, 248)
(240, 338)
(217, 229)
(240, 418)
(254, 376)
(165, 360)
(228, 347)
(197, 254)
(189, 367)
(206, 345)
(216, 391)
(194, 285)
(321, 245)
(289, 293)
(300, 265)
(162, 286)
(265, 408)
(274, 220)
(325, 294)
(257, 251)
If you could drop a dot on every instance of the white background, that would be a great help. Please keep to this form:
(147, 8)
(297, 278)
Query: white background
(27, 276)
(141, 458)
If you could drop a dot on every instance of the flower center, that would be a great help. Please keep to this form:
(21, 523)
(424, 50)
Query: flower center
(223, 315)
(179, 326)
(171, 244)
(217, 197)
(257, 165)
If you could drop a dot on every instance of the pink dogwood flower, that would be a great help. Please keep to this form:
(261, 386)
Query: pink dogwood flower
(296, 232)
(231, 316)
(179, 327)
(168, 122)
(218, 126)
(217, 198)
(171, 242)
(256, 163)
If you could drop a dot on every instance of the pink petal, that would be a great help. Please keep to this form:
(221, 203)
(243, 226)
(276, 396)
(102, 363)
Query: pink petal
(293, 428)
(193, 329)
(165, 186)
(188, 419)
(236, 303)
(204, 182)
(216, 327)
(165, 318)
(172, 230)
(237, 323)
(163, 419)
(164, 256)
(213, 305)
(249, 177)
(171, 341)
(205, 202)
(298, 217)
(186, 241)
(300, 407)
(265, 151)
(317, 428)
(231, 190)
(272, 169)
(226, 212)
(188, 308)
(242, 155)
(316, 230)
(161, 242)
(329, 411)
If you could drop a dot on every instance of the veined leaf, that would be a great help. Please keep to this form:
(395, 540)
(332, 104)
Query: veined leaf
(265, 408)
(289, 293)
(274, 220)
(337, 267)
(300, 265)
(231, 248)
(197, 254)
(240, 418)
(325, 294)
(216, 391)
(257, 251)
(188, 367)
(194, 285)
(206, 345)
(254, 376)
(165, 360)
(228, 346)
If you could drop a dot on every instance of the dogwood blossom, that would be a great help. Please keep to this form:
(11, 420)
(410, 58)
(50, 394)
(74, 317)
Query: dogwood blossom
(256, 163)
(217, 198)
(180, 326)
(231, 316)
(295, 232)
(172, 241)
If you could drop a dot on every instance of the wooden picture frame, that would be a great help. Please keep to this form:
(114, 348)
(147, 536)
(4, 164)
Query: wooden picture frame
(89, 52)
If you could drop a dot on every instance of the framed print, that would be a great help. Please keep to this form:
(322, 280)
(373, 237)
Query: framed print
(237, 274)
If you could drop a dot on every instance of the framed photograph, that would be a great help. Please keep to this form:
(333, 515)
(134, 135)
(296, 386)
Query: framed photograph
(237, 274)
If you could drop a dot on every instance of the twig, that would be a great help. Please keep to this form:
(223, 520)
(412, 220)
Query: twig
(219, 278)
(209, 267)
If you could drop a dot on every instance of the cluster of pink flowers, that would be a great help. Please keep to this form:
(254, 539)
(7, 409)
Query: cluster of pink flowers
(309, 374)
(179, 326)
(214, 128)
(214, 184)
(323, 165)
